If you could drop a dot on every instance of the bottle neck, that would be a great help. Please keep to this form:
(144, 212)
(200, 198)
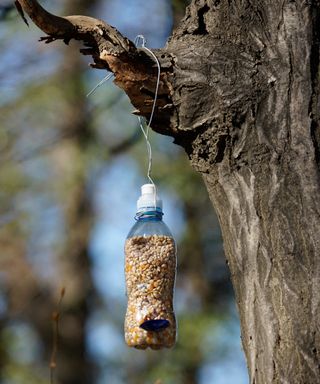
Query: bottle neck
(154, 215)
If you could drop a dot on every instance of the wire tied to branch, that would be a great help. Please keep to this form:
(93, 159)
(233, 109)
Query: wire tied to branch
(140, 39)
(145, 129)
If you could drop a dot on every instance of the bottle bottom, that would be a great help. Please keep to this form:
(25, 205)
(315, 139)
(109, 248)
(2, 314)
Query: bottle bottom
(154, 334)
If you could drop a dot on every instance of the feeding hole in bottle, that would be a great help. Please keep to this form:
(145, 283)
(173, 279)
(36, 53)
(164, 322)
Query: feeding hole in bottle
(155, 325)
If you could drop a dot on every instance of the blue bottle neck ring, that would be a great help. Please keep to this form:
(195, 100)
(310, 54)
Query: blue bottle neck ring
(149, 215)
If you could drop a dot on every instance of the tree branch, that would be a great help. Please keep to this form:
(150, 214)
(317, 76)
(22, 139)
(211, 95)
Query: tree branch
(87, 29)
(135, 71)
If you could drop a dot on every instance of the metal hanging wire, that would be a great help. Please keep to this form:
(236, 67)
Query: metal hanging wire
(140, 40)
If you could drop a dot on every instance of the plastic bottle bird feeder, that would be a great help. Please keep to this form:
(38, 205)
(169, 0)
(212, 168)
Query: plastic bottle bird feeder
(150, 267)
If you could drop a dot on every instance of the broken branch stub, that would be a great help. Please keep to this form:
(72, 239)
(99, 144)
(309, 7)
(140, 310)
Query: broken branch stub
(135, 71)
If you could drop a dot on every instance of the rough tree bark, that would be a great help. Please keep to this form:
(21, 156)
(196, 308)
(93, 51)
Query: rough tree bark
(240, 92)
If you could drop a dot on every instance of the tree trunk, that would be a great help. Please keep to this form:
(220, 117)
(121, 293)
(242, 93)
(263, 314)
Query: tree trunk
(240, 92)
(248, 97)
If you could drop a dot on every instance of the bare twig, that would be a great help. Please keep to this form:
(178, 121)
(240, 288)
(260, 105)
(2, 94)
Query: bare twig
(20, 10)
(55, 323)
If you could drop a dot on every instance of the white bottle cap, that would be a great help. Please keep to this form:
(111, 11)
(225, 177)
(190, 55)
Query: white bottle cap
(149, 199)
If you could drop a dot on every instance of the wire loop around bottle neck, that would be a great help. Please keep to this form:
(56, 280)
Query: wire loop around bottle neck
(149, 215)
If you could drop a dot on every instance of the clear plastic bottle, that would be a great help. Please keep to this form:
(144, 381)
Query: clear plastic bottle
(150, 266)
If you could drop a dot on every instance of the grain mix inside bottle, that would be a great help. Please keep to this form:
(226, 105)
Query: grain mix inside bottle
(150, 266)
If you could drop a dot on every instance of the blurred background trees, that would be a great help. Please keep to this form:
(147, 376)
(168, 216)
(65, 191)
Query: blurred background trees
(71, 168)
